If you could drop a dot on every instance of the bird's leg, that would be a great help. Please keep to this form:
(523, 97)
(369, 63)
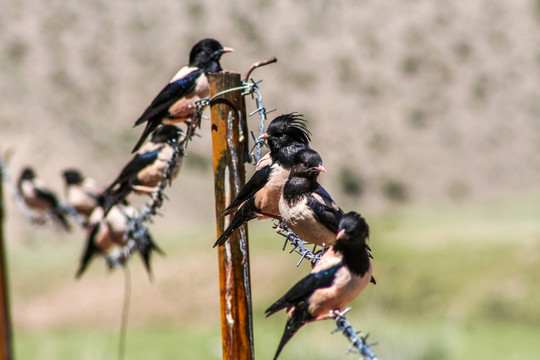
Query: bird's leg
(145, 189)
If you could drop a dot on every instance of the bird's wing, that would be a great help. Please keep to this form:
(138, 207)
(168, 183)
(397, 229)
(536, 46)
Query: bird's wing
(46, 195)
(170, 94)
(327, 199)
(139, 162)
(325, 212)
(257, 182)
(304, 288)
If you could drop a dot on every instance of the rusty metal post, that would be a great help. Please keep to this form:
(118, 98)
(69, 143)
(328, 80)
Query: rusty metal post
(228, 118)
(5, 318)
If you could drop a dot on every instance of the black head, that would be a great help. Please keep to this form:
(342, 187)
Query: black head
(166, 133)
(307, 164)
(206, 54)
(352, 227)
(285, 130)
(28, 174)
(72, 177)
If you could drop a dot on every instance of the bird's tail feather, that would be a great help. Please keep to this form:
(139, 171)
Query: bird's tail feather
(112, 197)
(58, 214)
(292, 326)
(243, 215)
(146, 252)
(90, 250)
(150, 127)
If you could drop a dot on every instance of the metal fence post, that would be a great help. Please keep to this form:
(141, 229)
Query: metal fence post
(228, 118)
(5, 318)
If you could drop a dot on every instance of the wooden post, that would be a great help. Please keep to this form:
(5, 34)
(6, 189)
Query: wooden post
(5, 319)
(228, 117)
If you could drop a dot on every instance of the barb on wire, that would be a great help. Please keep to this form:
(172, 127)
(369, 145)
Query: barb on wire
(298, 245)
(359, 345)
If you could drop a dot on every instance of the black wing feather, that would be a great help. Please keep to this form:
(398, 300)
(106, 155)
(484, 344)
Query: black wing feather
(329, 216)
(257, 182)
(47, 195)
(169, 95)
(304, 288)
(139, 162)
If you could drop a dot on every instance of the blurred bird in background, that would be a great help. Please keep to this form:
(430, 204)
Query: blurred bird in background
(146, 169)
(340, 275)
(176, 101)
(106, 233)
(40, 198)
(81, 192)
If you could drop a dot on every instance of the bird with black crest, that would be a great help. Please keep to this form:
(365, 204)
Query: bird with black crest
(259, 198)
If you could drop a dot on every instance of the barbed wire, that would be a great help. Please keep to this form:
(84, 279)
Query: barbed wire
(298, 245)
(359, 345)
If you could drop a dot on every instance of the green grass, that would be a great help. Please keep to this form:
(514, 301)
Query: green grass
(454, 282)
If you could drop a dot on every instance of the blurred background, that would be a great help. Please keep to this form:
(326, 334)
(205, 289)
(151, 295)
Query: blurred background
(426, 114)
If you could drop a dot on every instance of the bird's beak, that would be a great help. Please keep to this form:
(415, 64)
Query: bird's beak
(228, 49)
(263, 136)
(321, 168)
(340, 234)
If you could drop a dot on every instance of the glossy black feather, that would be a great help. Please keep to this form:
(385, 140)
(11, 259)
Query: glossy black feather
(299, 317)
(326, 215)
(304, 288)
(256, 183)
(169, 95)
(139, 162)
(159, 108)
(245, 213)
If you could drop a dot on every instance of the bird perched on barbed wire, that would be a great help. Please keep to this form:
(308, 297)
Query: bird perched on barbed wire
(286, 135)
(146, 169)
(40, 198)
(106, 233)
(81, 192)
(340, 275)
(305, 207)
(176, 101)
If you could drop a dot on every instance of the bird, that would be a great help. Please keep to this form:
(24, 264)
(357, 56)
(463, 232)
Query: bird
(259, 198)
(81, 192)
(39, 197)
(305, 207)
(146, 169)
(339, 276)
(106, 233)
(176, 101)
